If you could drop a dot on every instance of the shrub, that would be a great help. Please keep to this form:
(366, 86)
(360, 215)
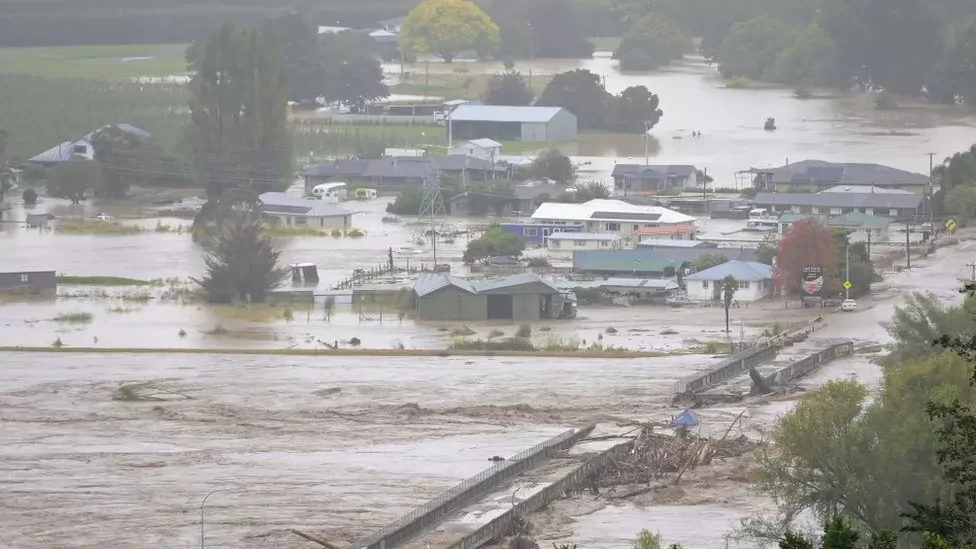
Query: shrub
(507, 344)
(74, 318)
(336, 233)
(29, 197)
(611, 330)
(355, 233)
(884, 101)
(524, 330)
(495, 333)
(737, 83)
(462, 331)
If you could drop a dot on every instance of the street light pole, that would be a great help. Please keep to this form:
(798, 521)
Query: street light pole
(931, 196)
(203, 504)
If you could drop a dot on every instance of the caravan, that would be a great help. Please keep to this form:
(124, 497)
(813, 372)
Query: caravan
(330, 192)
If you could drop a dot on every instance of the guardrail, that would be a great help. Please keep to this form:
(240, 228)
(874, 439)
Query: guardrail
(435, 510)
(739, 362)
(502, 524)
(805, 366)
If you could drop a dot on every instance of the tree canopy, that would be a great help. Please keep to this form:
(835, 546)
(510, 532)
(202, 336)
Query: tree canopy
(751, 47)
(238, 105)
(447, 27)
(580, 92)
(806, 243)
(74, 179)
(635, 110)
(652, 41)
(553, 165)
(494, 242)
(539, 28)
(508, 88)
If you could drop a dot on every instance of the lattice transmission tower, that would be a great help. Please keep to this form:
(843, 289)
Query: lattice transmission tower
(432, 210)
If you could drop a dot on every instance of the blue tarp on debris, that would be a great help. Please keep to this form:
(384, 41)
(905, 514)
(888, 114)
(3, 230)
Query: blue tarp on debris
(686, 419)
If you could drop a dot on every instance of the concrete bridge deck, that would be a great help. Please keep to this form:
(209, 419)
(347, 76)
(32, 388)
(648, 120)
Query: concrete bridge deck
(467, 520)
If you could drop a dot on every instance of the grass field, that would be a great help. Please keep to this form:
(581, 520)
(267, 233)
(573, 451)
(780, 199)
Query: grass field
(470, 83)
(107, 62)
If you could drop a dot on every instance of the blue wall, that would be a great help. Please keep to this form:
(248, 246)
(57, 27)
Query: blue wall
(537, 231)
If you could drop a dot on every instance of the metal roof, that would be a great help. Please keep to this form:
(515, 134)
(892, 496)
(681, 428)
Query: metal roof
(428, 283)
(614, 210)
(498, 113)
(644, 259)
(636, 283)
(676, 170)
(275, 202)
(840, 200)
(842, 173)
(510, 281)
(668, 243)
(740, 270)
(863, 189)
(399, 166)
(485, 143)
(857, 219)
(65, 151)
(598, 237)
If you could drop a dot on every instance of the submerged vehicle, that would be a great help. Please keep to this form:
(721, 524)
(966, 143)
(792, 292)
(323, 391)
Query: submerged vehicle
(770, 124)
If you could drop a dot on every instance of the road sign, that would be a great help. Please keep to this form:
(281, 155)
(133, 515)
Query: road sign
(950, 225)
(847, 285)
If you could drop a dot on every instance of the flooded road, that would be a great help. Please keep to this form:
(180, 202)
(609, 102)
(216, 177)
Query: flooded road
(842, 128)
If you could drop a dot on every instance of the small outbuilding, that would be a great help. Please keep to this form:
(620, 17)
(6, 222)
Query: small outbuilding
(29, 283)
(754, 280)
(304, 212)
(523, 298)
(500, 123)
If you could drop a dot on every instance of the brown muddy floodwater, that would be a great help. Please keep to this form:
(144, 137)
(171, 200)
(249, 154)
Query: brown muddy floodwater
(842, 128)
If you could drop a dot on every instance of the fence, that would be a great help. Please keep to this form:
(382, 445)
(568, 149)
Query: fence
(502, 524)
(435, 510)
(741, 361)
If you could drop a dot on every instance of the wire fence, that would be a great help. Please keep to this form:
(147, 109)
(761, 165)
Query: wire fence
(432, 512)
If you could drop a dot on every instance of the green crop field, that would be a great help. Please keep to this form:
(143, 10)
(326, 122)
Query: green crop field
(101, 62)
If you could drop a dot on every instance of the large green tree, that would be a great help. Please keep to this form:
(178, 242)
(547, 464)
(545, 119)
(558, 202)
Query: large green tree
(751, 47)
(580, 92)
(635, 110)
(654, 40)
(447, 27)
(539, 28)
(74, 179)
(241, 262)
(507, 88)
(810, 60)
(239, 132)
(304, 68)
(126, 159)
(494, 242)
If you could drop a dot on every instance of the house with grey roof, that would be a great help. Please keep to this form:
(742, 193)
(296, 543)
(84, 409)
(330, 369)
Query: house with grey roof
(754, 281)
(525, 198)
(392, 174)
(295, 211)
(638, 179)
(900, 206)
(522, 298)
(649, 263)
(810, 176)
(862, 227)
(81, 147)
(502, 123)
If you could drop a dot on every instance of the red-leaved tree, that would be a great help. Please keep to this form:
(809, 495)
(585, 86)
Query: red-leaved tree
(806, 242)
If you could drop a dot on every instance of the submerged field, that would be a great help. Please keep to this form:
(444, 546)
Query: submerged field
(108, 62)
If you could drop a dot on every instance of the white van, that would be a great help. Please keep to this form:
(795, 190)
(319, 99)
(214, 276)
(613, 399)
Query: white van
(330, 192)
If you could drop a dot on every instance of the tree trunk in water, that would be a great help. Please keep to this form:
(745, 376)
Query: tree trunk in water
(726, 318)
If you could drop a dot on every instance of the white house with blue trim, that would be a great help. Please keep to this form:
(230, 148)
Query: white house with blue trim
(755, 281)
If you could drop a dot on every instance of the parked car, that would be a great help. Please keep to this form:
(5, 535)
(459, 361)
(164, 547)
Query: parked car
(678, 301)
(104, 217)
(849, 305)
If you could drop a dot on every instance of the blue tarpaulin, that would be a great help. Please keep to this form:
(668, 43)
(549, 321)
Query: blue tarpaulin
(686, 419)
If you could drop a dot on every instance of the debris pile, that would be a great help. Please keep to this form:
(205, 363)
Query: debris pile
(656, 456)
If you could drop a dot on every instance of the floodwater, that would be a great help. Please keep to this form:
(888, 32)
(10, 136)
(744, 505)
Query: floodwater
(338, 446)
(842, 128)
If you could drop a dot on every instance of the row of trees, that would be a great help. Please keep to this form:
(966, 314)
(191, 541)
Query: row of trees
(635, 110)
(902, 460)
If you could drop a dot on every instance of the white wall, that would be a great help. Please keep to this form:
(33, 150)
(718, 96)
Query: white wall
(757, 290)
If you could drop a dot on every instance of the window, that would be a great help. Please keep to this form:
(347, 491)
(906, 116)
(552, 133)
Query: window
(553, 243)
(604, 244)
(530, 232)
(546, 232)
(814, 209)
(613, 226)
(301, 221)
(25, 278)
(743, 284)
(835, 211)
(81, 149)
(705, 284)
(636, 227)
(579, 243)
(893, 212)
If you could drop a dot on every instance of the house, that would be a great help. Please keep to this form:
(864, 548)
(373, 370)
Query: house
(81, 147)
(326, 29)
(755, 281)
(817, 175)
(896, 205)
(658, 243)
(500, 123)
(393, 24)
(644, 263)
(615, 216)
(522, 298)
(29, 283)
(485, 149)
(863, 227)
(572, 242)
(304, 212)
(395, 173)
(537, 234)
(638, 179)
(525, 198)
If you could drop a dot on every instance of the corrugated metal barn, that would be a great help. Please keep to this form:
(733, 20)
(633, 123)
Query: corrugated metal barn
(524, 297)
(548, 124)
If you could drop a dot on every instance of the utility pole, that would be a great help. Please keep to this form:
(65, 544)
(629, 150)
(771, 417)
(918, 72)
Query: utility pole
(931, 196)
(972, 267)
(647, 128)
(908, 246)
(847, 267)
(704, 182)
(432, 208)
(450, 129)
(426, 77)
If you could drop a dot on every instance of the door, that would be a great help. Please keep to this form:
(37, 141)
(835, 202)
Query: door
(500, 307)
